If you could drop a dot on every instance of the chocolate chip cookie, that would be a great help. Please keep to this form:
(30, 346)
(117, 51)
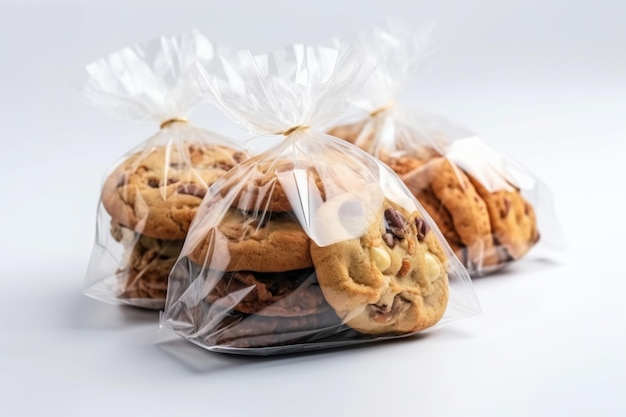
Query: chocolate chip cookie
(261, 242)
(152, 198)
(392, 279)
(513, 220)
(156, 192)
(270, 186)
(486, 228)
(450, 198)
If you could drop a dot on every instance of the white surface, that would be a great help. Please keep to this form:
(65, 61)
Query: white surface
(543, 81)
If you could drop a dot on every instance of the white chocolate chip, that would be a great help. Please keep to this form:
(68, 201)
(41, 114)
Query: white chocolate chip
(381, 257)
(432, 267)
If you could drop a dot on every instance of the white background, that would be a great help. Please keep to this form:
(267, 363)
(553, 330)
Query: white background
(544, 81)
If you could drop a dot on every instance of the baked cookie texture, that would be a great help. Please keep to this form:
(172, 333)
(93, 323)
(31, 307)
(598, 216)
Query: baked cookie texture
(157, 192)
(460, 212)
(262, 242)
(261, 285)
(267, 283)
(486, 229)
(152, 197)
(392, 279)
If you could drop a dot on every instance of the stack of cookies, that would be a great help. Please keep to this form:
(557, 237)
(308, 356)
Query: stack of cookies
(267, 291)
(267, 283)
(152, 197)
(486, 228)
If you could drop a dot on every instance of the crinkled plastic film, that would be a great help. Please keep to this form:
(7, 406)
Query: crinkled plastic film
(313, 243)
(491, 210)
(150, 196)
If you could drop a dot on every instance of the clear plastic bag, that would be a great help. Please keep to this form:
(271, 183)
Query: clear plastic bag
(312, 243)
(150, 196)
(490, 209)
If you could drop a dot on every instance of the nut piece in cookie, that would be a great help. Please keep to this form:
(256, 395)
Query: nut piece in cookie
(392, 279)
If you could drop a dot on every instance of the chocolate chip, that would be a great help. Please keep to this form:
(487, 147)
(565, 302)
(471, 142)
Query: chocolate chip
(274, 288)
(191, 189)
(397, 223)
(177, 165)
(388, 238)
(422, 228)
(153, 182)
(171, 181)
(239, 156)
(505, 210)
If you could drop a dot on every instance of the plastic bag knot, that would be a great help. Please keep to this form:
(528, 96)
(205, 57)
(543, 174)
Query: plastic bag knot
(173, 120)
(382, 108)
(293, 129)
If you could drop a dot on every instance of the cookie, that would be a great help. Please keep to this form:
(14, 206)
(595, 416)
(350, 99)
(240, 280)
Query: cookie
(142, 278)
(451, 199)
(157, 192)
(285, 294)
(512, 218)
(392, 279)
(265, 242)
(269, 186)
(403, 162)
(256, 331)
(218, 325)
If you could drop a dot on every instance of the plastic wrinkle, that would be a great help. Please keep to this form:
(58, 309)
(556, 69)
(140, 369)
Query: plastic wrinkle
(149, 81)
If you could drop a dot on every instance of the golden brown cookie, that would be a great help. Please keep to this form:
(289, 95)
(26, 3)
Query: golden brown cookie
(405, 162)
(512, 218)
(461, 214)
(157, 192)
(402, 156)
(262, 242)
(265, 191)
(392, 279)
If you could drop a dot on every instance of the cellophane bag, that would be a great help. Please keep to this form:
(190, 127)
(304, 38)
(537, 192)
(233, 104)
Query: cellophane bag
(491, 210)
(312, 243)
(150, 196)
